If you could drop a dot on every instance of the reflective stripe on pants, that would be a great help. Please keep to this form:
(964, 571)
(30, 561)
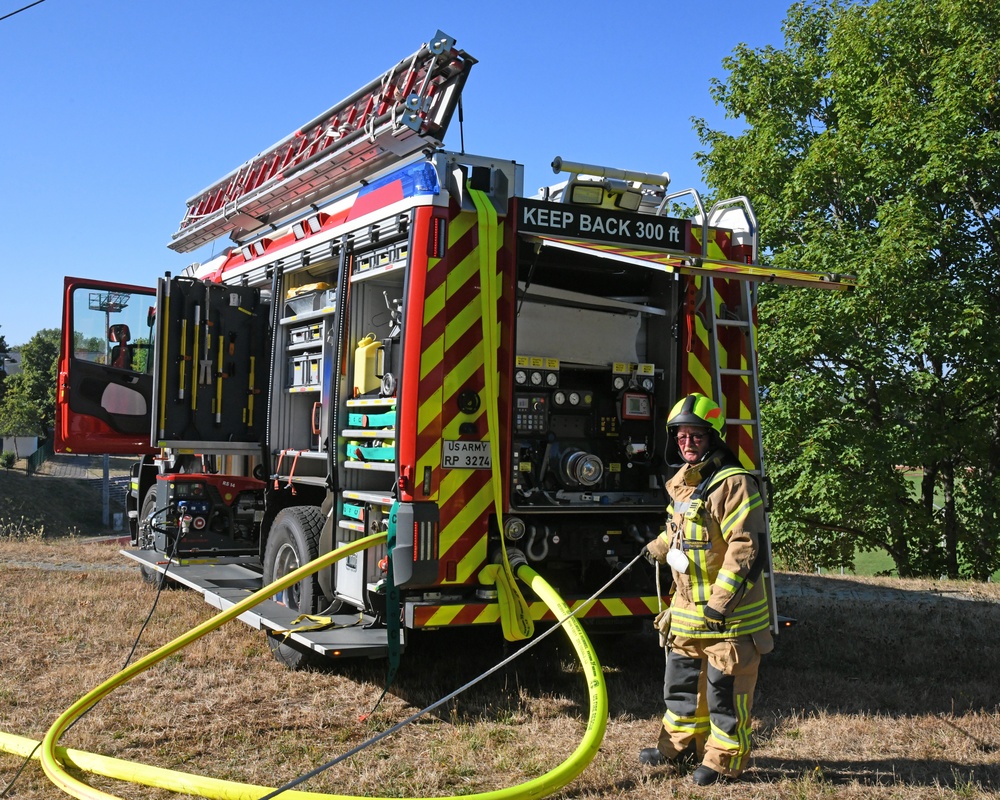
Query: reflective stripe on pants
(708, 691)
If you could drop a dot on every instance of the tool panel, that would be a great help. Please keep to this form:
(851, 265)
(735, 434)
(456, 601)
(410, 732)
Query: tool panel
(212, 367)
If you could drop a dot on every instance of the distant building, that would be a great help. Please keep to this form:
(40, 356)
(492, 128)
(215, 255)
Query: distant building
(23, 446)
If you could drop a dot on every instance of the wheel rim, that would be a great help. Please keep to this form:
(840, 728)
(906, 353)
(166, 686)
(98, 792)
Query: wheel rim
(287, 560)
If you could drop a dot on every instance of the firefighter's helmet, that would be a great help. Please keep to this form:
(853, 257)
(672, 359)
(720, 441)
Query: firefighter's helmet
(696, 409)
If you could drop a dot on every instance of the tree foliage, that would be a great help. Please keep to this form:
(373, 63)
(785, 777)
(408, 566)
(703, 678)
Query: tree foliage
(29, 402)
(872, 147)
(3, 370)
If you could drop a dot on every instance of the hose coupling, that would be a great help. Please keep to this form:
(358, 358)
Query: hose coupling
(514, 556)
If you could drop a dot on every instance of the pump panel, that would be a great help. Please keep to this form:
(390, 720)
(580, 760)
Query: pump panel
(582, 437)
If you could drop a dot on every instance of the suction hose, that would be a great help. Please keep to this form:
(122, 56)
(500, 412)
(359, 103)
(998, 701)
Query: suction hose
(54, 759)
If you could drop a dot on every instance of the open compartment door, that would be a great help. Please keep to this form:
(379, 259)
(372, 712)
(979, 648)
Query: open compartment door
(105, 384)
(212, 366)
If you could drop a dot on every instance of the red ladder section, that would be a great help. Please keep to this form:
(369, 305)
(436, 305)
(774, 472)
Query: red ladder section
(406, 109)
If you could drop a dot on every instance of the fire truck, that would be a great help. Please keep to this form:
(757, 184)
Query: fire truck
(400, 338)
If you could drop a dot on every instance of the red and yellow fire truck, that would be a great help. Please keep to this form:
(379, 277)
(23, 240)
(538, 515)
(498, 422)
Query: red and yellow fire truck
(399, 337)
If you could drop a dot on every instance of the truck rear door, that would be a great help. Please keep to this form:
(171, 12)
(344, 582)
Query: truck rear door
(105, 383)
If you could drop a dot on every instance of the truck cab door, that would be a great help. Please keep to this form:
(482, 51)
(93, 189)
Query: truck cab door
(104, 392)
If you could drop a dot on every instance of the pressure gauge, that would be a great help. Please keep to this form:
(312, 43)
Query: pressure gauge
(574, 398)
(618, 383)
(551, 378)
(559, 398)
(520, 377)
(536, 378)
(647, 384)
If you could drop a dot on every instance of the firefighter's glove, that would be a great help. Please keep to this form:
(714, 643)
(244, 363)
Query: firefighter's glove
(714, 621)
(656, 551)
(662, 625)
(662, 621)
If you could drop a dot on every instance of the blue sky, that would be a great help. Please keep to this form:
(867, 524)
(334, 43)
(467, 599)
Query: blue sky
(114, 112)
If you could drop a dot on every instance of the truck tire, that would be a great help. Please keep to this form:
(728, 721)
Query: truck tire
(149, 575)
(292, 542)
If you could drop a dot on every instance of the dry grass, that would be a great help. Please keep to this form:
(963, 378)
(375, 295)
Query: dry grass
(885, 689)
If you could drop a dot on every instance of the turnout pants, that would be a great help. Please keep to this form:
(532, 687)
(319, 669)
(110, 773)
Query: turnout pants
(708, 690)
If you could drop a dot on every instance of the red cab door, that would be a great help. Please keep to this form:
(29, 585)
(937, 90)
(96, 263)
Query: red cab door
(104, 396)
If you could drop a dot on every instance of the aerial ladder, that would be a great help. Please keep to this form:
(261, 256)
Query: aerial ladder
(405, 110)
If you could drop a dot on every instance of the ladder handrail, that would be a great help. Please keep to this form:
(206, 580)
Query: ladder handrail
(744, 202)
(662, 210)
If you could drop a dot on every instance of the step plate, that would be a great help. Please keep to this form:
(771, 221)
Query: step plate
(226, 581)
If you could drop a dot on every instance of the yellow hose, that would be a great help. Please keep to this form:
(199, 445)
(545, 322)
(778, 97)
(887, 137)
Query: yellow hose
(54, 759)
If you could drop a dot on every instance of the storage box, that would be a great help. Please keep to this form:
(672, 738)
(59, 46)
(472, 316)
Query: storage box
(305, 333)
(312, 298)
(326, 300)
(304, 369)
(314, 368)
(297, 370)
(300, 304)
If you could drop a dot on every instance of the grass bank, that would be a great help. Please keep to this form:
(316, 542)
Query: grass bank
(868, 697)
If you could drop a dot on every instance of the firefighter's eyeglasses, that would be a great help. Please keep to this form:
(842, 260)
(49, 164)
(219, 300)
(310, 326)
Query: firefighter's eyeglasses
(696, 438)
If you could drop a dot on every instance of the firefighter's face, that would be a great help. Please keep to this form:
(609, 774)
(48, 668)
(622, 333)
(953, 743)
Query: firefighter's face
(693, 441)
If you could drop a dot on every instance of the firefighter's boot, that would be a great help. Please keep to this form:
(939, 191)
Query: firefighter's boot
(705, 776)
(654, 757)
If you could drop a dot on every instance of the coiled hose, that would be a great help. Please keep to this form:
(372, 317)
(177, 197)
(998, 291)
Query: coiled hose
(56, 759)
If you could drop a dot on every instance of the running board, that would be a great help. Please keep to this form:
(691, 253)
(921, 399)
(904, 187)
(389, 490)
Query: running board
(226, 581)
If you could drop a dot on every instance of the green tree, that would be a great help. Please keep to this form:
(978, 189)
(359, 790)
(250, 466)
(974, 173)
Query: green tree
(3, 365)
(872, 146)
(29, 403)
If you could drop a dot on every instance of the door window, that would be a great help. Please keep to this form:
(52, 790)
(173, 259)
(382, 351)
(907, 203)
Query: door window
(113, 328)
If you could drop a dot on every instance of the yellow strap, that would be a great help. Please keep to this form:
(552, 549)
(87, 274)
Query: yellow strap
(318, 623)
(514, 611)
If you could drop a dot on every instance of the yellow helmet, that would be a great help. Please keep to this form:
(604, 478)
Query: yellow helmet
(696, 409)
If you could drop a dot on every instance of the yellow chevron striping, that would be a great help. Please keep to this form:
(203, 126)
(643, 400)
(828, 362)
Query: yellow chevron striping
(615, 607)
(460, 226)
(461, 323)
(474, 506)
(430, 409)
(434, 303)
(472, 561)
(490, 614)
(700, 375)
(443, 615)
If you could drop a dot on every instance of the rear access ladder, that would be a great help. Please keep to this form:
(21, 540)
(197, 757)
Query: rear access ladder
(728, 312)
(734, 378)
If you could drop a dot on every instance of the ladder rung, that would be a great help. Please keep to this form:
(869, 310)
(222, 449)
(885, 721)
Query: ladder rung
(743, 372)
(732, 323)
(739, 421)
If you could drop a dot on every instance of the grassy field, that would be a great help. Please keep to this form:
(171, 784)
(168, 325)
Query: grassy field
(884, 689)
(879, 562)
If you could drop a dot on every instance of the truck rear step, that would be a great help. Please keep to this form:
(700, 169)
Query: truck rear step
(226, 581)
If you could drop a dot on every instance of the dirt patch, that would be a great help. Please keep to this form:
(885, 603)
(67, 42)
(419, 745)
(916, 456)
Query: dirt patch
(881, 590)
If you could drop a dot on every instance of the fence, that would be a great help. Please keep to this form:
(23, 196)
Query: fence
(39, 457)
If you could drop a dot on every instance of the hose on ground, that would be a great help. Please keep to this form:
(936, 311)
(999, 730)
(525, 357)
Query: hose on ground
(55, 759)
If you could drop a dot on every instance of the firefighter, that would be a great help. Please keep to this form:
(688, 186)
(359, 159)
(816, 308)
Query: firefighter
(717, 625)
